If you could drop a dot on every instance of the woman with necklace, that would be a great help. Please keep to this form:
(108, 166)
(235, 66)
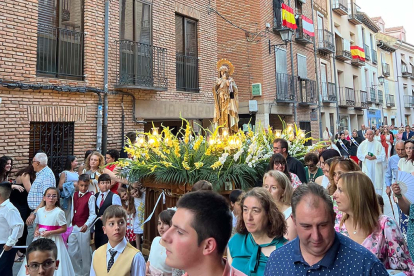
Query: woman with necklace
(311, 169)
(361, 220)
(260, 231)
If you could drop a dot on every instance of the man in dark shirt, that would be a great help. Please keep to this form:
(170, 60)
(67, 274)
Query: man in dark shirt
(318, 249)
(294, 166)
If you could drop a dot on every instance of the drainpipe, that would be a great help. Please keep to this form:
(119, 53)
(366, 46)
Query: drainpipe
(334, 66)
(105, 107)
(402, 118)
(292, 68)
(317, 80)
(99, 125)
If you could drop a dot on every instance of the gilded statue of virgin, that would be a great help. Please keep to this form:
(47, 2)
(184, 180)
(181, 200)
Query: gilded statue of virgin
(225, 92)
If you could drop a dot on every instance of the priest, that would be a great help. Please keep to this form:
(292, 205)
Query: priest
(372, 155)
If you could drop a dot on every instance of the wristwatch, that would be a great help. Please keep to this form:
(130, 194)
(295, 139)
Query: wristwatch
(398, 195)
(34, 213)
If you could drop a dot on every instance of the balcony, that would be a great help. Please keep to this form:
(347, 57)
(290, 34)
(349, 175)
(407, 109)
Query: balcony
(374, 56)
(307, 94)
(364, 99)
(346, 97)
(60, 52)
(328, 92)
(141, 66)
(340, 7)
(284, 88)
(357, 62)
(385, 69)
(372, 95)
(367, 52)
(187, 73)
(408, 101)
(326, 42)
(380, 97)
(301, 36)
(352, 15)
(343, 51)
(404, 71)
(390, 100)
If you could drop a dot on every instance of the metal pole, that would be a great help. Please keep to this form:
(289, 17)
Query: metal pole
(317, 80)
(398, 87)
(334, 66)
(292, 68)
(99, 125)
(105, 111)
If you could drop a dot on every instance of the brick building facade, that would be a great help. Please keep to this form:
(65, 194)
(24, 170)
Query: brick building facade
(52, 71)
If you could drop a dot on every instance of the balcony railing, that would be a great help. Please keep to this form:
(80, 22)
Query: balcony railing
(141, 66)
(343, 50)
(187, 73)
(380, 97)
(408, 101)
(328, 92)
(301, 36)
(340, 6)
(374, 56)
(390, 100)
(404, 71)
(372, 95)
(346, 97)
(364, 99)
(307, 94)
(285, 88)
(385, 69)
(367, 52)
(60, 52)
(326, 41)
(352, 15)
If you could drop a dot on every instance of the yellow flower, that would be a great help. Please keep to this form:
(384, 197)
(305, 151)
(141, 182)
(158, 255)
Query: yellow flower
(198, 164)
(216, 165)
(208, 151)
(198, 142)
(187, 134)
(185, 165)
(153, 168)
(166, 164)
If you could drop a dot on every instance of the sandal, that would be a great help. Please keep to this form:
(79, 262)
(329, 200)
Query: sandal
(19, 258)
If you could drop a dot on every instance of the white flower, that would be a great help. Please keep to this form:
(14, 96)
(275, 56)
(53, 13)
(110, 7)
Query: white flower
(238, 154)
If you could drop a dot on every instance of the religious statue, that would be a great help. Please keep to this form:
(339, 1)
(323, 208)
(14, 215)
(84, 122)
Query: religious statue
(226, 102)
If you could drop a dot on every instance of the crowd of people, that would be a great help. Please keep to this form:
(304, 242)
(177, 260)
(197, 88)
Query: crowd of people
(322, 216)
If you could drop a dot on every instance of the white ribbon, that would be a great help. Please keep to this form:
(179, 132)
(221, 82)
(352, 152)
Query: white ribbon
(156, 204)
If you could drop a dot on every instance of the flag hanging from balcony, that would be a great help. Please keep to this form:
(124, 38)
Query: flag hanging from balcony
(288, 17)
(308, 26)
(357, 53)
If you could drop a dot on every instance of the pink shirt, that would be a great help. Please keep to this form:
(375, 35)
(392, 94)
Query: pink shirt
(228, 270)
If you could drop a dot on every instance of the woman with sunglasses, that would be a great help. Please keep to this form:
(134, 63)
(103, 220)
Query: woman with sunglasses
(323, 157)
(278, 162)
(311, 169)
(361, 220)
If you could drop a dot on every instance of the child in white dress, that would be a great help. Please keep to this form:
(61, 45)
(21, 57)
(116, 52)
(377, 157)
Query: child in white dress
(138, 192)
(51, 224)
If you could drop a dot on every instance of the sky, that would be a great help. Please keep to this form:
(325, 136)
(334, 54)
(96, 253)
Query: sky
(395, 13)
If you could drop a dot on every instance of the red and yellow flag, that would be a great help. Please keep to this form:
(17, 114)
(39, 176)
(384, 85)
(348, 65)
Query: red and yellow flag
(358, 53)
(288, 18)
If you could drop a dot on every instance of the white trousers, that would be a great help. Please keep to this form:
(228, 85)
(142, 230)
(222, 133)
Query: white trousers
(80, 252)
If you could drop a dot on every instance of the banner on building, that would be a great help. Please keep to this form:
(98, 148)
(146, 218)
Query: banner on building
(357, 53)
(288, 18)
(308, 26)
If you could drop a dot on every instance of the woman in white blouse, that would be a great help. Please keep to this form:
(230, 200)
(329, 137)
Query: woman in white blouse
(278, 184)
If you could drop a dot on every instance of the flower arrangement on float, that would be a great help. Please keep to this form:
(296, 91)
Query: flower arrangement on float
(221, 158)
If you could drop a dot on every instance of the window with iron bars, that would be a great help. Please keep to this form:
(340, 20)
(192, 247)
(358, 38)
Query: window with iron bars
(56, 139)
(60, 38)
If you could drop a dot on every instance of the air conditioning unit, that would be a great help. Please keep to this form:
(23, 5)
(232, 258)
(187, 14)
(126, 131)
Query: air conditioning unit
(253, 106)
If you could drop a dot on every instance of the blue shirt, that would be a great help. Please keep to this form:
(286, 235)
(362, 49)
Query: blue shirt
(345, 257)
(392, 165)
(44, 179)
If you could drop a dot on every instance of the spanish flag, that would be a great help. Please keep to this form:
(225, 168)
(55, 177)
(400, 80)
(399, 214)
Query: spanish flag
(288, 17)
(358, 53)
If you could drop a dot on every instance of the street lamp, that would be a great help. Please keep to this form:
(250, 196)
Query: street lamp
(381, 79)
(286, 35)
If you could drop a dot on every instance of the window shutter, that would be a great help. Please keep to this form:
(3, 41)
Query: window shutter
(302, 70)
(281, 60)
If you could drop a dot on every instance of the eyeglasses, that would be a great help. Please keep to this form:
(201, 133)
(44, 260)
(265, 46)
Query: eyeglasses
(277, 164)
(33, 267)
(51, 196)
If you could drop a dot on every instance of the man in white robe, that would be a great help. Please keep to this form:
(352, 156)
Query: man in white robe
(372, 155)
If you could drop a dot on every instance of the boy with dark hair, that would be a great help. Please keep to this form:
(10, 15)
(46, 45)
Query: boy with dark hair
(235, 205)
(83, 214)
(119, 257)
(201, 228)
(104, 199)
(11, 229)
(41, 258)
